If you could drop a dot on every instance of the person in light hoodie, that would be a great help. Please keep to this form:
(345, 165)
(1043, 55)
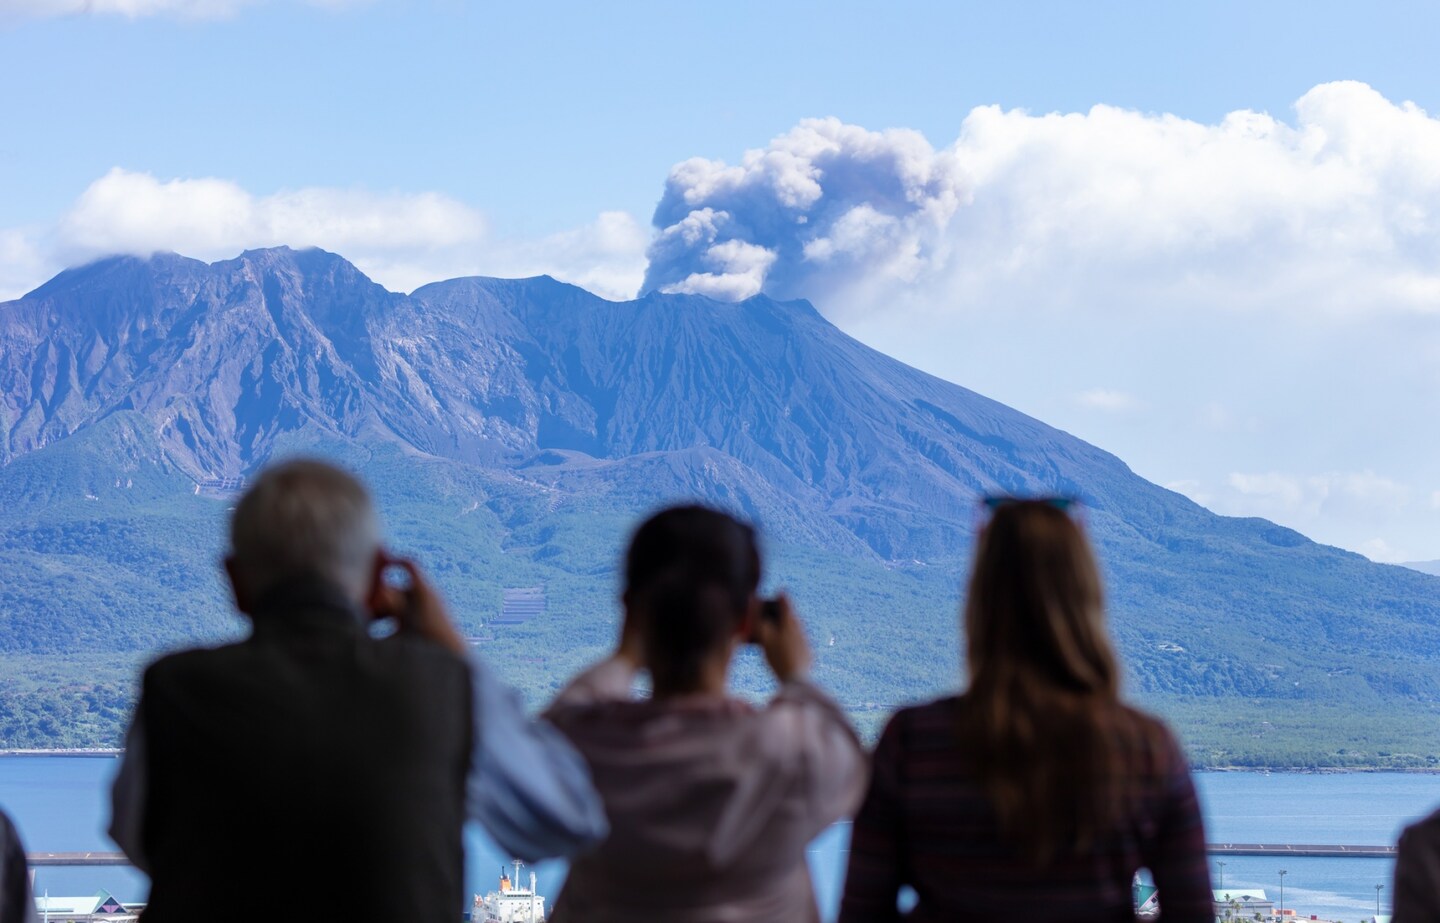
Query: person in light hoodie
(711, 800)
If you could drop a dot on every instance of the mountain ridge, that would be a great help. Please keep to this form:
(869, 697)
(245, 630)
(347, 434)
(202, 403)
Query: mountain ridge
(532, 421)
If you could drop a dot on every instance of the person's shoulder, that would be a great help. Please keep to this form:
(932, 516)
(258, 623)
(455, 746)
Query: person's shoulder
(1150, 742)
(924, 714)
(191, 661)
(1153, 726)
(1426, 830)
(423, 655)
(924, 720)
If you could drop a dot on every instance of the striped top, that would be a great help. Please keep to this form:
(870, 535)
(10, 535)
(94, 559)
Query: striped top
(926, 823)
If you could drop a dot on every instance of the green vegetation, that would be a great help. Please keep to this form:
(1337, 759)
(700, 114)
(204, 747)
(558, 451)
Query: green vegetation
(1265, 734)
(107, 568)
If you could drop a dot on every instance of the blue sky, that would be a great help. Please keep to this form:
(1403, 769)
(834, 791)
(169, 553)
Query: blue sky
(545, 113)
(1240, 308)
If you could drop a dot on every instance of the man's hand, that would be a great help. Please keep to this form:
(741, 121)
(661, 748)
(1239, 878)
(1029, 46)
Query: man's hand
(417, 609)
(783, 641)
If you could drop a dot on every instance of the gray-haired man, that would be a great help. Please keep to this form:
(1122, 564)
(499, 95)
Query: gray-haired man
(314, 772)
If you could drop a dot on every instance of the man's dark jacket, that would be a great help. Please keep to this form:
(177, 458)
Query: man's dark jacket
(309, 772)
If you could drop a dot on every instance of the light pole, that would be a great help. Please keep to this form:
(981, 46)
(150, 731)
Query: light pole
(1283, 873)
(1222, 875)
(1378, 889)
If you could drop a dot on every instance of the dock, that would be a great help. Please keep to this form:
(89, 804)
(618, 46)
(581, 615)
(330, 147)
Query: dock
(1300, 849)
(41, 859)
(1275, 850)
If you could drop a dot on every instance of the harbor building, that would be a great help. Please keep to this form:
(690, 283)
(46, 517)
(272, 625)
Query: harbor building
(1242, 904)
(96, 907)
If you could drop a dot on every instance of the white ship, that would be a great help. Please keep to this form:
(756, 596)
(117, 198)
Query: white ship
(510, 904)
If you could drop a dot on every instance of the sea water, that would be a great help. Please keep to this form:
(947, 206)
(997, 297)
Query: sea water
(59, 804)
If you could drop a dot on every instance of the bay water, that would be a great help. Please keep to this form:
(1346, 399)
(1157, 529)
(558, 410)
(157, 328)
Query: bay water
(59, 804)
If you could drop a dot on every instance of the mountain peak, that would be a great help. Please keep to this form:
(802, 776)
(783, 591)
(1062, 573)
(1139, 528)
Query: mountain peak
(117, 271)
(305, 261)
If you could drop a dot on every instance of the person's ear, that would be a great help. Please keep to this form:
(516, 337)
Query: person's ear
(243, 602)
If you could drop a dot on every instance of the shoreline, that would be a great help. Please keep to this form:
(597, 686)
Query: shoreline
(1324, 770)
(116, 752)
(96, 753)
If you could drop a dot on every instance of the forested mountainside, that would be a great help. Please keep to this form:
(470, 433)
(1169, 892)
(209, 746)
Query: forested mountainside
(514, 430)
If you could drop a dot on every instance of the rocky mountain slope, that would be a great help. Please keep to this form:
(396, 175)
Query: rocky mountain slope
(514, 428)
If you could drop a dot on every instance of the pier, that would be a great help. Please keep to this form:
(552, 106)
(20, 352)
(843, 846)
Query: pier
(41, 859)
(1299, 849)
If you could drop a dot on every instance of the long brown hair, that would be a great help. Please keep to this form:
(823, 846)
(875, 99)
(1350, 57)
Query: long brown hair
(1042, 715)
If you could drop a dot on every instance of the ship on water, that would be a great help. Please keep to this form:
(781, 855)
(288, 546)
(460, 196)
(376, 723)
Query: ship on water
(511, 903)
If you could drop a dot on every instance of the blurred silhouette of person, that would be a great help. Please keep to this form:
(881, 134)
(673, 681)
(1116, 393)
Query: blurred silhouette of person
(1416, 898)
(261, 776)
(711, 800)
(1038, 793)
(16, 903)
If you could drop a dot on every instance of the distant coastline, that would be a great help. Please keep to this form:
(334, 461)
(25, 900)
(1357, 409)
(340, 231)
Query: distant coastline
(1324, 770)
(83, 752)
(116, 752)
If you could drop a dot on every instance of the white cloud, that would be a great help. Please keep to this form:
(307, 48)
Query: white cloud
(136, 213)
(1288, 495)
(606, 256)
(400, 240)
(1342, 508)
(138, 9)
(1377, 549)
(1107, 400)
(22, 266)
(1340, 210)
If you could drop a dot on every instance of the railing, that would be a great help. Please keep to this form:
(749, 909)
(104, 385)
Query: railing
(76, 858)
(1300, 849)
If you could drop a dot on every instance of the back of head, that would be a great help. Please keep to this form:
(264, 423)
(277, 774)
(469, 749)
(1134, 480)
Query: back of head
(690, 574)
(1042, 711)
(1035, 613)
(304, 519)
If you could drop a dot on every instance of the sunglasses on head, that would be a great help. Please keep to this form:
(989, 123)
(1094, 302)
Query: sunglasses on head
(993, 502)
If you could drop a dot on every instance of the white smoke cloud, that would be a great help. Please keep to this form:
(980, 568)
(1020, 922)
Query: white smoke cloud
(822, 204)
(400, 240)
(1340, 211)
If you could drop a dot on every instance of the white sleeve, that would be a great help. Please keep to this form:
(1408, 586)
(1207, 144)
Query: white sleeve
(127, 795)
(528, 786)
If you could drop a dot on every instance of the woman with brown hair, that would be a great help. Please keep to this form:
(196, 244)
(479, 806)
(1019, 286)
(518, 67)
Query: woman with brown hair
(1037, 794)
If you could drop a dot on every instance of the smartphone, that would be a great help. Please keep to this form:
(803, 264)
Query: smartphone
(394, 575)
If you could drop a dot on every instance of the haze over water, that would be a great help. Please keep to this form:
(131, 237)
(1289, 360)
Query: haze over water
(59, 803)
